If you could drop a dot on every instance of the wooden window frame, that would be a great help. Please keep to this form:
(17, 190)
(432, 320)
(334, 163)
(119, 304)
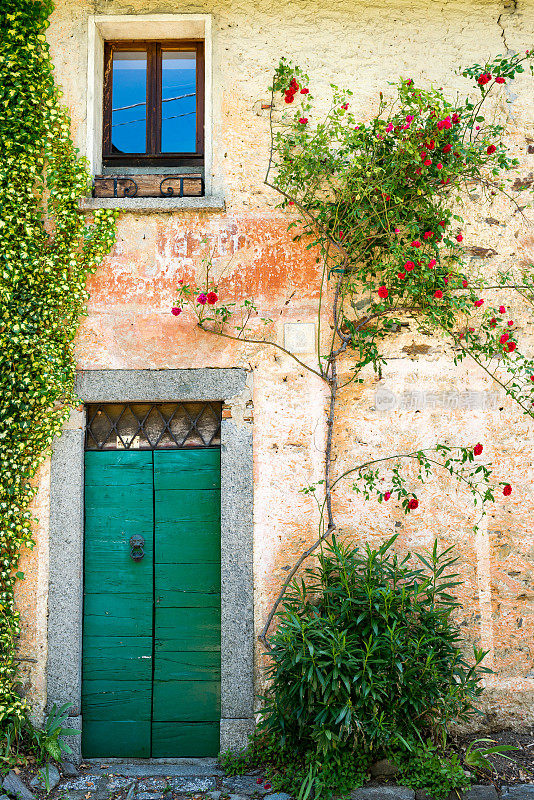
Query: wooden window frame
(153, 156)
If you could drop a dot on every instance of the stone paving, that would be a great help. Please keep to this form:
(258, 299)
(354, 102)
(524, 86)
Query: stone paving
(200, 779)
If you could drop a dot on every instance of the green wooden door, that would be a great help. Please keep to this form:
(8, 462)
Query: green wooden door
(151, 640)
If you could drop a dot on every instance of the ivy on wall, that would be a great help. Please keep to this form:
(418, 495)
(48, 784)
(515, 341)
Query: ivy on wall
(47, 248)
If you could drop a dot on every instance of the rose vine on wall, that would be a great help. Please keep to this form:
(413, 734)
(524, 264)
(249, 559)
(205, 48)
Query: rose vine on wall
(47, 249)
(376, 200)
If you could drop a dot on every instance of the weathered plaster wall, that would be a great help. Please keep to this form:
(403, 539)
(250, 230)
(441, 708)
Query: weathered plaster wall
(361, 45)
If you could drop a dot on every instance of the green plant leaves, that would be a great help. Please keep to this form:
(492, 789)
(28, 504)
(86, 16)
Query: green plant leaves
(47, 249)
(365, 656)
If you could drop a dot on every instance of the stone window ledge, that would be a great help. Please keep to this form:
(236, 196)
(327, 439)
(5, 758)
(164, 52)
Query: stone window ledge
(150, 205)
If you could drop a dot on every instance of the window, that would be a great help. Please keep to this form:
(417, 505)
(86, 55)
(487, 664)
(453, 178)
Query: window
(153, 103)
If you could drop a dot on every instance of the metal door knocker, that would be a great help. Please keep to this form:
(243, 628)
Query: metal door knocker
(137, 547)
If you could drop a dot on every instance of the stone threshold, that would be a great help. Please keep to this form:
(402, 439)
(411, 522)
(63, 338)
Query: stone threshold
(148, 767)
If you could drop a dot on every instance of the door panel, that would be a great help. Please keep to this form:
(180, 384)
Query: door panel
(191, 740)
(188, 585)
(190, 665)
(198, 699)
(181, 542)
(132, 656)
(151, 641)
(188, 612)
(123, 738)
(118, 605)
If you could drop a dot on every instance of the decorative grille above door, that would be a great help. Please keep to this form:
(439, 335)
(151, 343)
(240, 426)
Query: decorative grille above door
(152, 426)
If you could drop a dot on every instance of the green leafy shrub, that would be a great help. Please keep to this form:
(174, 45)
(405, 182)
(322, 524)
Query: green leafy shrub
(366, 653)
(22, 739)
(49, 740)
(427, 767)
(299, 772)
(366, 662)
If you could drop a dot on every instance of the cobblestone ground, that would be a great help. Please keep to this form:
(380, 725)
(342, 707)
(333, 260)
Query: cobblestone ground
(196, 779)
(202, 779)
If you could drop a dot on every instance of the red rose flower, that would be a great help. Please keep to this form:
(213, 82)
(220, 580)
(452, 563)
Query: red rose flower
(409, 266)
(442, 223)
(383, 292)
(438, 294)
(428, 235)
(504, 338)
(428, 162)
(491, 149)
(439, 166)
(212, 298)
(202, 299)
(477, 449)
(416, 243)
(289, 97)
(447, 148)
(413, 503)
(483, 79)
(478, 303)
(304, 91)
(502, 310)
(493, 322)
(507, 491)
(510, 322)
(401, 275)
(303, 120)
(500, 80)
(511, 347)
(387, 495)
(459, 238)
(345, 106)
(465, 284)
(432, 263)
(176, 311)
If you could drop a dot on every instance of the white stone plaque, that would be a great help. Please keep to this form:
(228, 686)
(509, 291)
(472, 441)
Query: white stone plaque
(299, 337)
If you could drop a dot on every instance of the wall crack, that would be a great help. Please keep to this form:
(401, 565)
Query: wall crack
(510, 7)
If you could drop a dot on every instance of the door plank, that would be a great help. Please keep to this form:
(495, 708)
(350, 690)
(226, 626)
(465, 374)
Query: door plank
(191, 740)
(186, 701)
(184, 629)
(187, 469)
(118, 605)
(187, 644)
(187, 585)
(189, 666)
(187, 505)
(117, 614)
(115, 700)
(132, 658)
(119, 739)
(189, 543)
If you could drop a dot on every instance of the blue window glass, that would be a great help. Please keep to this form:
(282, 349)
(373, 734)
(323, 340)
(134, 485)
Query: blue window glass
(178, 101)
(128, 116)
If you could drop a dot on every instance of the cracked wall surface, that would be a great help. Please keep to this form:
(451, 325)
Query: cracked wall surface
(362, 46)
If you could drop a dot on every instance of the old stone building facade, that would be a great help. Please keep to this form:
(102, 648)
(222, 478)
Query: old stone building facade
(131, 349)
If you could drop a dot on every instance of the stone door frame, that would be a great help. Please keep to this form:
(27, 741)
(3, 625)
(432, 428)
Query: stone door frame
(65, 595)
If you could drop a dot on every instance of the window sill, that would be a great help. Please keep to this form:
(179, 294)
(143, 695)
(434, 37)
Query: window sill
(155, 205)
